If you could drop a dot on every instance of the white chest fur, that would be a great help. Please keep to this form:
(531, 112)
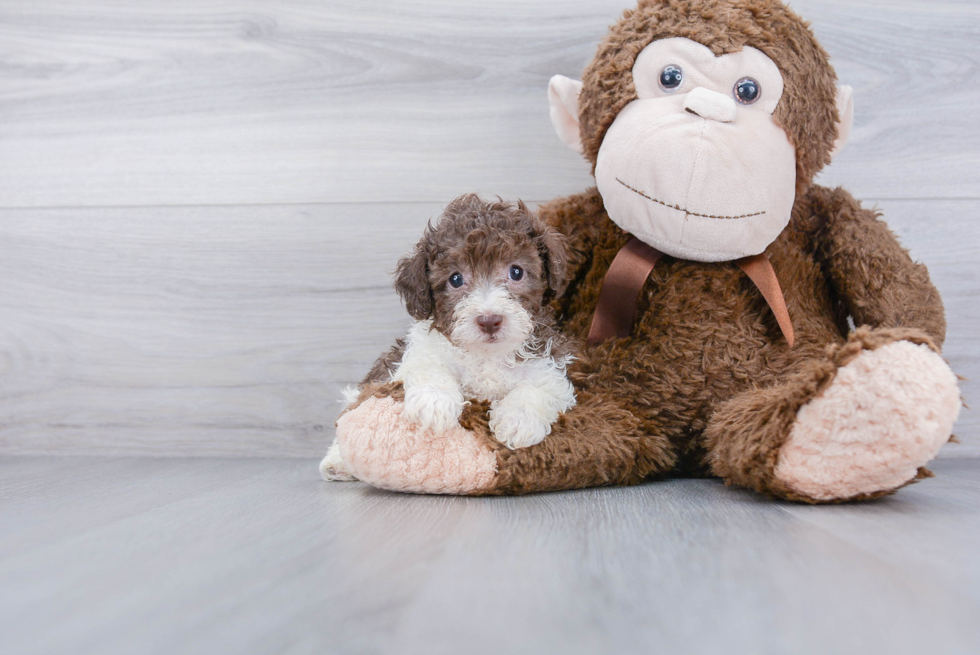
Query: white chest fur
(489, 378)
(480, 375)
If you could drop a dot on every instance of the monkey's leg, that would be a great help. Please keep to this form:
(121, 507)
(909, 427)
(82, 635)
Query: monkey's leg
(595, 443)
(856, 424)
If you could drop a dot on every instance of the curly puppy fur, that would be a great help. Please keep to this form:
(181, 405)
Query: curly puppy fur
(490, 336)
(475, 236)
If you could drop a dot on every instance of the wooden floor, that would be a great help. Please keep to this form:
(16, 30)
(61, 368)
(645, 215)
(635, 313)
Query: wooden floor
(147, 555)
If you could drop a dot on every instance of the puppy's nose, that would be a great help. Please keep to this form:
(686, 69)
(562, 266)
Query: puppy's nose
(490, 323)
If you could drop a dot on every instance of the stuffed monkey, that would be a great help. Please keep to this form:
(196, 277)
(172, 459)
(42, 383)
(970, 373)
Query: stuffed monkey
(712, 285)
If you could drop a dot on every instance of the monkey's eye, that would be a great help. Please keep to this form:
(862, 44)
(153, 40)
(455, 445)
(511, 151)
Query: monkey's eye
(516, 273)
(747, 90)
(671, 77)
(456, 280)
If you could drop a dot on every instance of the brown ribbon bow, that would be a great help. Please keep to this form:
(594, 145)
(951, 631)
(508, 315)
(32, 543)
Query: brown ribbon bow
(632, 266)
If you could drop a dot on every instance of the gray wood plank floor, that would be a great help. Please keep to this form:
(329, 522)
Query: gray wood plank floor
(139, 555)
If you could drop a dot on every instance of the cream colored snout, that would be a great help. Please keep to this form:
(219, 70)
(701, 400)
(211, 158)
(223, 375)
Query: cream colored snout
(710, 105)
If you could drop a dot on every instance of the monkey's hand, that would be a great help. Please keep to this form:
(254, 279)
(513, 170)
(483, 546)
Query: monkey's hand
(435, 407)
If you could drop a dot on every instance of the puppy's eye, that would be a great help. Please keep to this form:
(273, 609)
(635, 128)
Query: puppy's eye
(516, 273)
(456, 280)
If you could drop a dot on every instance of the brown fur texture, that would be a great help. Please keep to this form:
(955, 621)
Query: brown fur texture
(480, 239)
(745, 433)
(705, 371)
(807, 110)
(706, 385)
(384, 367)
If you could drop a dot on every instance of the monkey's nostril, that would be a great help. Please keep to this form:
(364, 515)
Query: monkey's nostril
(490, 323)
(710, 105)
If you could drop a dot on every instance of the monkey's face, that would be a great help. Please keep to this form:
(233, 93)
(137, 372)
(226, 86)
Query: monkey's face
(696, 166)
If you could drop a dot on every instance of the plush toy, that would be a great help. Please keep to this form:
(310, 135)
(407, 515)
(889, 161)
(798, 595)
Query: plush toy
(714, 284)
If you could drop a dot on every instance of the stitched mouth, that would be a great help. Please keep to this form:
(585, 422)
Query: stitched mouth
(661, 202)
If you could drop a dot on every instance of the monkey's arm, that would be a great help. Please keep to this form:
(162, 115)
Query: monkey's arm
(873, 275)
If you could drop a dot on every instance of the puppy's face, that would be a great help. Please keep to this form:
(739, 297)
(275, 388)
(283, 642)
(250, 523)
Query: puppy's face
(487, 303)
(484, 274)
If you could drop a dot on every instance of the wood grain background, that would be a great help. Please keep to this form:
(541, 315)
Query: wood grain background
(201, 201)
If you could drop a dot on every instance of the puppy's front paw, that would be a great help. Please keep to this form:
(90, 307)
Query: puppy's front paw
(516, 427)
(433, 408)
(332, 468)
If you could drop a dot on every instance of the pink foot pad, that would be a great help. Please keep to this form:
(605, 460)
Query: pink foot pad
(887, 412)
(381, 448)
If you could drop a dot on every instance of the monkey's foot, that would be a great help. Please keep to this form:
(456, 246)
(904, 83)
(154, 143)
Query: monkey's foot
(383, 448)
(886, 413)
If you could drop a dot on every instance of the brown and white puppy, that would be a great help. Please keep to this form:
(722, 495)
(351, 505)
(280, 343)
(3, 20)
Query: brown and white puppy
(479, 284)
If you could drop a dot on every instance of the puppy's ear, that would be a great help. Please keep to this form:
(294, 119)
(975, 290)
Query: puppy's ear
(412, 282)
(554, 254)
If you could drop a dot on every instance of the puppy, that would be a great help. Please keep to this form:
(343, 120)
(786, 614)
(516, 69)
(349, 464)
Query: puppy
(478, 285)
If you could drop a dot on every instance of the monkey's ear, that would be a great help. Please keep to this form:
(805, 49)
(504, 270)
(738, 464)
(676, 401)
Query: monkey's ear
(563, 98)
(412, 283)
(845, 109)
